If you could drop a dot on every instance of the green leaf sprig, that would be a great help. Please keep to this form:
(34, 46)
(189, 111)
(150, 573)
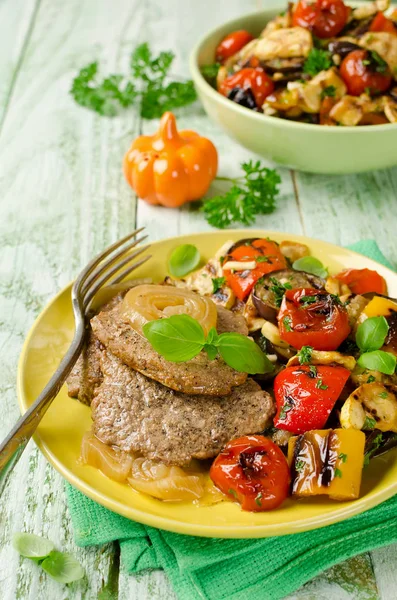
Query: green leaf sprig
(180, 338)
(318, 60)
(183, 259)
(370, 336)
(61, 566)
(311, 265)
(253, 193)
(210, 72)
(145, 85)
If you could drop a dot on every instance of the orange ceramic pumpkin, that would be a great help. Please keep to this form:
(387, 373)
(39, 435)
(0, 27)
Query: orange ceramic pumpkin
(170, 168)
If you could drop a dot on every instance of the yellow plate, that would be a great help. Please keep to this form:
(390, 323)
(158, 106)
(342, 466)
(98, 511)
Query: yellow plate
(60, 433)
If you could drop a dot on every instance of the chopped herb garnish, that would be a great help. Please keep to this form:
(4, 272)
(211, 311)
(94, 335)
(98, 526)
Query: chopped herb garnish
(278, 289)
(329, 92)
(371, 379)
(299, 465)
(378, 62)
(217, 283)
(287, 323)
(258, 499)
(287, 406)
(232, 493)
(369, 423)
(376, 443)
(383, 395)
(305, 355)
(306, 300)
(320, 385)
(262, 259)
(342, 457)
(338, 473)
(313, 370)
(318, 60)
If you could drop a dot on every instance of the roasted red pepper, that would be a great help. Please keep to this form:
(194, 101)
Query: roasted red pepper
(361, 281)
(305, 396)
(253, 471)
(310, 317)
(267, 256)
(382, 23)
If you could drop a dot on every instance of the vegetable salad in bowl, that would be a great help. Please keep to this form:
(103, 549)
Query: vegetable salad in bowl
(319, 62)
(257, 377)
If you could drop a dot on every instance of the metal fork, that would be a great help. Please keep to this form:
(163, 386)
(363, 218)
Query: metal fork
(98, 272)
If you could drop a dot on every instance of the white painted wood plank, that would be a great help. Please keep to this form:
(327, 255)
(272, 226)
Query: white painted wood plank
(16, 19)
(63, 199)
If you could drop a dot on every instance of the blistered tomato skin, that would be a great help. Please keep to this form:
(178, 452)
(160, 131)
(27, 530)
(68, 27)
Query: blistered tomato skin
(253, 471)
(362, 281)
(231, 44)
(360, 75)
(325, 18)
(306, 395)
(251, 78)
(310, 317)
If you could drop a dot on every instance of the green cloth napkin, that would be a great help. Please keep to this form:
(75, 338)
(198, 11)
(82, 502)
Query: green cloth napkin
(220, 569)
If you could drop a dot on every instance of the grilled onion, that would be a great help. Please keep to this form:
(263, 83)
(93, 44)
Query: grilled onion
(165, 482)
(112, 463)
(151, 302)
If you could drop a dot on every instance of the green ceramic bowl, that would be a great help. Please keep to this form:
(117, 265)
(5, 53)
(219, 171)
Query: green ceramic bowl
(301, 146)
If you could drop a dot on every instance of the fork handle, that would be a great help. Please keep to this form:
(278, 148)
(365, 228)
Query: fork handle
(14, 444)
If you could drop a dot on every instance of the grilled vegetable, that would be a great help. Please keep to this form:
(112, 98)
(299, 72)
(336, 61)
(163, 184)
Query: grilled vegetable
(270, 289)
(380, 305)
(305, 396)
(252, 259)
(362, 70)
(310, 317)
(327, 462)
(253, 471)
(255, 80)
(231, 44)
(370, 406)
(321, 357)
(325, 18)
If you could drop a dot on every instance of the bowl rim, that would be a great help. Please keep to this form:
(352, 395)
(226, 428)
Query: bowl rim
(200, 81)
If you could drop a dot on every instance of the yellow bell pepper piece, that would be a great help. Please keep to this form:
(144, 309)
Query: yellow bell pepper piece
(378, 307)
(327, 462)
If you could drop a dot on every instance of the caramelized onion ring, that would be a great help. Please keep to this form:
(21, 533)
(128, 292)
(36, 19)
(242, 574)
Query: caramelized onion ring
(151, 302)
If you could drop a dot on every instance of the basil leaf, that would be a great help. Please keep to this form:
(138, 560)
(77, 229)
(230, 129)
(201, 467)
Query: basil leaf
(371, 334)
(62, 567)
(311, 265)
(178, 338)
(212, 351)
(378, 361)
(32, 546)
(183, 260)
(212, 337)
(242, 354)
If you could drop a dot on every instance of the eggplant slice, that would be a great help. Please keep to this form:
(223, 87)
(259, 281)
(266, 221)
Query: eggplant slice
(267, 294)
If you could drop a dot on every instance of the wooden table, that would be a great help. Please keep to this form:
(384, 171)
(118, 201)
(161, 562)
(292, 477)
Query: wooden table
(63, 199)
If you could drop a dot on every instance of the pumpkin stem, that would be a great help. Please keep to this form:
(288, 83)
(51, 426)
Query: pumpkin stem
(167, 129)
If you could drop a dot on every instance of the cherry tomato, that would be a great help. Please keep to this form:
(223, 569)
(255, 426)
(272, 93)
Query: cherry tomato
(253, 471)
(361, 281)
(310, 317)
(268, 258)
(231, 44)
(249, 78)
(325, 18)
(382, 23)
(361, 73)
(306, 394)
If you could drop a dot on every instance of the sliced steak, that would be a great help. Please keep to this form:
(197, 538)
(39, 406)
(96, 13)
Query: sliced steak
(197, 376)
(86, 374)
(138, 414)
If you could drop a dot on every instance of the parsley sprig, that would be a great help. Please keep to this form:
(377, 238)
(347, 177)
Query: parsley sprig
(318, 60)
(145, 86)
(253, 193)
